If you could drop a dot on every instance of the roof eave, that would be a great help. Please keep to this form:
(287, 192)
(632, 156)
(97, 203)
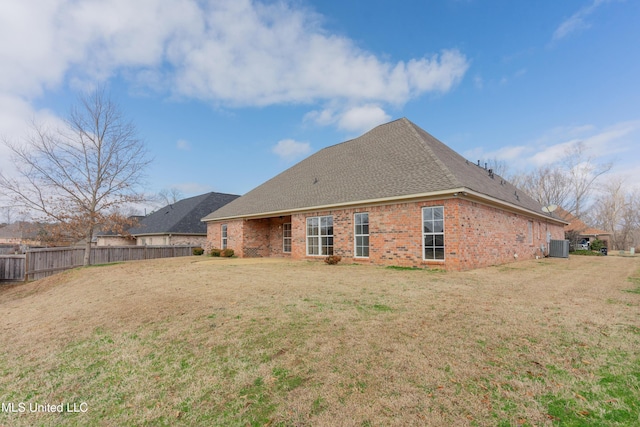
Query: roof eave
(456, 192)
(511, 206)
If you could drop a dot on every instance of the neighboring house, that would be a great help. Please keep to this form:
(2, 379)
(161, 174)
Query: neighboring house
(393, 196)
(23, 233)
(175, 224)
(579, 233)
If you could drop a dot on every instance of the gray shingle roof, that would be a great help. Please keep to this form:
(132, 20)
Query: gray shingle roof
(184, 216)
(397, 159)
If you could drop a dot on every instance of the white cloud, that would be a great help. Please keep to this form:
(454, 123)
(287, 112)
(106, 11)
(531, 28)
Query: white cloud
(602, 143)
(289, 149)
(233, 52)
(183, 144)
(361, 119)
(577, 21)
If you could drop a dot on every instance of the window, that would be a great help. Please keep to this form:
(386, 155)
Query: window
(320, 235)
(224, 236)
(286, 237)
(530, 232)
(433, 232)
(361, 221)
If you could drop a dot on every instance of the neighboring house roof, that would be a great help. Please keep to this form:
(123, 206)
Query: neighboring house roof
(394, 160)
(577, 225)
(21, 230)
(182, 217)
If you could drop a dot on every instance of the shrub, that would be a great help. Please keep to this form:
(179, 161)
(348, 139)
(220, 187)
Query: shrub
(227, 253)
(197, 251)
(215, 252)
(333, 259)
(597, 244)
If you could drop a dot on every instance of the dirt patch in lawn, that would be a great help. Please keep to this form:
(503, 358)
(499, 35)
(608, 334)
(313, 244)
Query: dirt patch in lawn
(261, 341)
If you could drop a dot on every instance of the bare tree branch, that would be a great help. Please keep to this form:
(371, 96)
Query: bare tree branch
(79, 175)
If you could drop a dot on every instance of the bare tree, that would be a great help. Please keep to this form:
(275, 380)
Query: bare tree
(169, 196)
(78, 175)
(549, 185)
(582, 172)
(569, 182)
(617, 211)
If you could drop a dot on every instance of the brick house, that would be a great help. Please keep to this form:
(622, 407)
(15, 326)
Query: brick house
(393, 196)
(178, 223)
(578, 231)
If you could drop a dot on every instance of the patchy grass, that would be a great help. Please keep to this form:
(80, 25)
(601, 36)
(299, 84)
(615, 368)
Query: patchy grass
(263, 342)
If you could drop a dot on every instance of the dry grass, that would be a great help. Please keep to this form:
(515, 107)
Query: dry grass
(203, 341)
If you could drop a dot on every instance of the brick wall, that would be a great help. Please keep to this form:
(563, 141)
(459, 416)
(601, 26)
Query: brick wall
(476, 235)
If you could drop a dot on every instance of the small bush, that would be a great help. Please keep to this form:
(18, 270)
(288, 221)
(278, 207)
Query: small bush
(227, 253)
(197, 251)
(597, 244)
(586, 252)
(333, 259)
(215, 252)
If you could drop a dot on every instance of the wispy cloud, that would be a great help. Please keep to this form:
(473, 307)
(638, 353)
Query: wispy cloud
(577, 21)
(183, 145)
(551, 146)
(289, 149)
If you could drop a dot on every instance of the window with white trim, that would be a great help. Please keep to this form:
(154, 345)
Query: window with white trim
(224, 236)
(286, 237)
(361, 233)
(320, 235)
(433, 232)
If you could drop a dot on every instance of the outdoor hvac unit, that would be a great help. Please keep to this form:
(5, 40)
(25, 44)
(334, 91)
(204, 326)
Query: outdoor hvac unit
(559, 249)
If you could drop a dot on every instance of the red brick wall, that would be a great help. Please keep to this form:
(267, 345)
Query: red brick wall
(476, 235)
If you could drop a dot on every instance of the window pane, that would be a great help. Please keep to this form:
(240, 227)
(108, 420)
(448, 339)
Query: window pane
(365, 251)
(439, 253)
(365, 229)
(438, 226)
(428, 241)
(312, 245)
(358, 229)
(438, 213)
(438, 240)
(428, 253)
(427, 214)
(428, 227)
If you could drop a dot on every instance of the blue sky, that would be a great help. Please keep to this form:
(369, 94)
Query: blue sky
(227, 94)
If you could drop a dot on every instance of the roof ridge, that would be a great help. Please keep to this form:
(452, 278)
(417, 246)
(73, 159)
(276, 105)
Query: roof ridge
(454, 179)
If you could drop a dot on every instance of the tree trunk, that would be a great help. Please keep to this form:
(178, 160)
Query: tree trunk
(87, 248)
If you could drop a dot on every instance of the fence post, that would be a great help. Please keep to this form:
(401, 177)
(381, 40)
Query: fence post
(26, 265)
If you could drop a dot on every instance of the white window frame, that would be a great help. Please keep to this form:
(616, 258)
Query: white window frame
(359, 232)
(286, 238)
(530, 232)
(320, 241)
(435, 230)
(224, 236)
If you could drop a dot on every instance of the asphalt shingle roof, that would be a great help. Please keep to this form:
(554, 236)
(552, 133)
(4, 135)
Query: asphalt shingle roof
(182, 217)
(397, 159)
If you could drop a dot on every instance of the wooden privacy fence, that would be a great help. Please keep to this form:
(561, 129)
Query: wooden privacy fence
(12, 268)
(39, 263)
